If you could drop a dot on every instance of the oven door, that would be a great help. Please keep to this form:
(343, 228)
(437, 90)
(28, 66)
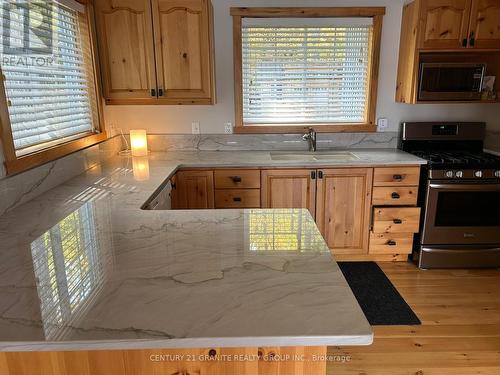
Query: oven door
(462, 213)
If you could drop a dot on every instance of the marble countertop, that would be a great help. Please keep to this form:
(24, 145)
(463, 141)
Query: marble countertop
(83, 267)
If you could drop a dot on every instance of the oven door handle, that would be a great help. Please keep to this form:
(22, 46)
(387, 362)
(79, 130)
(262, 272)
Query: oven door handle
(466, 187)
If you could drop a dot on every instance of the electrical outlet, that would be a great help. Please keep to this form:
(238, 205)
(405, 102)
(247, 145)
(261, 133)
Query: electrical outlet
(382, 123)
(195, 126)
(228, 128)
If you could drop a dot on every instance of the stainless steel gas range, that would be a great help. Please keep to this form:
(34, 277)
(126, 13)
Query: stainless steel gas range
(459, 194)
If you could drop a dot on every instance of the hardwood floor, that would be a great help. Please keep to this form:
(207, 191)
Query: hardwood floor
(460, 331)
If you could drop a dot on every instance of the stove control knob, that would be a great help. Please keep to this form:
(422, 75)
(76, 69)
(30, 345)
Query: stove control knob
(459, 174)
(449, 174)
(478, 174)
(497, 173)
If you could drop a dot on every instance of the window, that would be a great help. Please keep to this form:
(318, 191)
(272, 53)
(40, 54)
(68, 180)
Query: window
(50, 105)
(308, 67)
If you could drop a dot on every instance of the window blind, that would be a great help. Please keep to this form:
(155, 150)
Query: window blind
(295, 74)
(51, 96)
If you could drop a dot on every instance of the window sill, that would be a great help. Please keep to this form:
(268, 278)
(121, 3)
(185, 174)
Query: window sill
(291, 129)
(30, 161)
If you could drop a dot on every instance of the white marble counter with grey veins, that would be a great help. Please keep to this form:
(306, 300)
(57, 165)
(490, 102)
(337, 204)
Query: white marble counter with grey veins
(83, 267)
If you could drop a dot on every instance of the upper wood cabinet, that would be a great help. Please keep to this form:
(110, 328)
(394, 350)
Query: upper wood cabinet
(485, 23)
(289, 188)
(156, 51)
(445, 23)
(452, 24)
(343, 204)
(125, 40)
(183, 30)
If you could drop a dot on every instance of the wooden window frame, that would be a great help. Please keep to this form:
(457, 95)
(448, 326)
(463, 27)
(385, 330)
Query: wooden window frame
(16, 164)
(376, 13)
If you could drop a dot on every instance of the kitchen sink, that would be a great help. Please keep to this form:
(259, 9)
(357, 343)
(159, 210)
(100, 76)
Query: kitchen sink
(314, 156)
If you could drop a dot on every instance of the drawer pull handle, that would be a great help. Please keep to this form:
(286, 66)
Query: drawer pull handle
(395, 195)
(397, 221)
(236, 179)
(397, 177)
(391, 243)
(236, 199)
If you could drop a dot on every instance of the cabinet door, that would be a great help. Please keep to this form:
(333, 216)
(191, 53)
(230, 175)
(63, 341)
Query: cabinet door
(343, 208)
(194, 190)
(485, 24)
(289, 188)
(184, 50)
(125, 39)
(445, 23)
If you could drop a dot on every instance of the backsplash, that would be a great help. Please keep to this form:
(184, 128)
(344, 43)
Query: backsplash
(263, 142)
(23, 187)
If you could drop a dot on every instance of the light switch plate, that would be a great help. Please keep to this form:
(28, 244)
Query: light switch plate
(195, 126)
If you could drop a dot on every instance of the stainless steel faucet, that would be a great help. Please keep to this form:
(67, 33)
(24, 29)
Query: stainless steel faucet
(310, 137)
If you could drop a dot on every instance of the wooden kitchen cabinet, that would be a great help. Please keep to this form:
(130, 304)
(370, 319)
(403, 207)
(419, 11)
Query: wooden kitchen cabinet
(156, 51)
(458, 24)
(193, 190)
(485, 23)
(343, 205)
(289, 188)
(444, 23)
(184, 51)
(125, 41)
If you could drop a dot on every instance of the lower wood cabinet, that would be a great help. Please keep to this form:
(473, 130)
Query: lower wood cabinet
(193, 190)
(289, 188)
(343, 202)
(362, 213)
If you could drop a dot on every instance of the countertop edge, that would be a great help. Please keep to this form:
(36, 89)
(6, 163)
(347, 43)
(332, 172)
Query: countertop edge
(215, 342)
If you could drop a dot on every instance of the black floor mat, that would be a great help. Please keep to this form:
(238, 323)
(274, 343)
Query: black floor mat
(378, 298)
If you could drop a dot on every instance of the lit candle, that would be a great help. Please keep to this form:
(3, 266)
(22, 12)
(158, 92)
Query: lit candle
(139, 142)
(140, 165)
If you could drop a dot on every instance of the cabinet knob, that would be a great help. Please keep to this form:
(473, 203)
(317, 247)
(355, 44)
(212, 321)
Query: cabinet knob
(236, 179)
(397, 177)
(236, 199)
(395, 195)
(160, 92)
(397, 221)
(464, 42)
(153, 92)
(472, 40)
(391, 243)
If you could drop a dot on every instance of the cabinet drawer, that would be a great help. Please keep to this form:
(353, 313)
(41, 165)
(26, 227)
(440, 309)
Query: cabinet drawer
(396, 176)
(396, 220)
(391, 243)
(237, 179)
(237, 198)
(395, 196)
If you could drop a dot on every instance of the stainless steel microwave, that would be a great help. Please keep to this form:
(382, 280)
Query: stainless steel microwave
(450, 81)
